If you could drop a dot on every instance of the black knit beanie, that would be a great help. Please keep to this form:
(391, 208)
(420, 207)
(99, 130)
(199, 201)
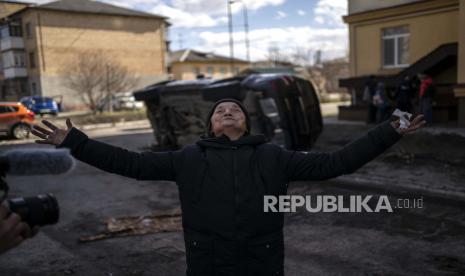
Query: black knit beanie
(209, 133)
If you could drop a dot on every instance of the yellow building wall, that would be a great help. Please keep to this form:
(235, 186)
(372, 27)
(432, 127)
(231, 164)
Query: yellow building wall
(135, 42)
(460, 90)
(427, 32)
(58, 37)
(185, 70)
(461, 53)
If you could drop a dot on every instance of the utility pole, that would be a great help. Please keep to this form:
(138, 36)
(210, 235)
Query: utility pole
(231, 41)
(246, 26)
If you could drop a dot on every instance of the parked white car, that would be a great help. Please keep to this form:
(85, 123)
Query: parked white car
(126, 100)
(122, 101)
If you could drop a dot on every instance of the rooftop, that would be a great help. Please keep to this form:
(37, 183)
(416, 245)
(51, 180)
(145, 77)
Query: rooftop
(89, 6)
(186, 55)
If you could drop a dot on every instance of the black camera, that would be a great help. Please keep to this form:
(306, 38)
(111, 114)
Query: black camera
(38, 210)
(41, 209)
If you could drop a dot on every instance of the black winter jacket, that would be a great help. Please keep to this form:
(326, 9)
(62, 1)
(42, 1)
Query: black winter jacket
(221, 187)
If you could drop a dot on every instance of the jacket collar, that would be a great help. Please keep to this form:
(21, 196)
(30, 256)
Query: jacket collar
(223, 141)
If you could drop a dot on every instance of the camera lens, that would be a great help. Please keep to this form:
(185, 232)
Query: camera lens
(39, 210)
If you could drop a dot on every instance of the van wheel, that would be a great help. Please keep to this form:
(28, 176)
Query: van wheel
(21, 131)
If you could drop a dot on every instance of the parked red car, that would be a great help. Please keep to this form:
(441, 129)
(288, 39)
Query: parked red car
(15, 120)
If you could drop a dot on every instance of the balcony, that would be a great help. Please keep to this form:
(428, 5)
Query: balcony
(14, 72)
(11, 42)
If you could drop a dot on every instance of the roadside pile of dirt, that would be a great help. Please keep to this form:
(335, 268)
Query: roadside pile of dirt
(427, 163)
(427, 149)
(422, 148)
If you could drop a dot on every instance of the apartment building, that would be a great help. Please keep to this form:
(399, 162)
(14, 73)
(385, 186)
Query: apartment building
(40, 42)
(398, 38)
(187, 64)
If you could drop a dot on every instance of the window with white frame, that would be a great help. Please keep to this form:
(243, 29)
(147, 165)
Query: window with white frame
(19, 60)
(395, 43)
(210, 71)
(13, 59)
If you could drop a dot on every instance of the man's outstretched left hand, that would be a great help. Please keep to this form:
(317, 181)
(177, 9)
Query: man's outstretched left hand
(415, 124)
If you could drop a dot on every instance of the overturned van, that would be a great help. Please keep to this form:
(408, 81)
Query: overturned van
(284, 108)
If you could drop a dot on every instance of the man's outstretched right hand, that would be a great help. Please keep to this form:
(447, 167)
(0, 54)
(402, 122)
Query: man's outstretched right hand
(54, 136)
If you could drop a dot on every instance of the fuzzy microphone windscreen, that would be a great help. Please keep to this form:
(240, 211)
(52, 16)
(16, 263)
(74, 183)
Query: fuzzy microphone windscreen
(38, 161)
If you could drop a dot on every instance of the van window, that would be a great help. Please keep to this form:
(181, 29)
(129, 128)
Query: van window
(269, 109)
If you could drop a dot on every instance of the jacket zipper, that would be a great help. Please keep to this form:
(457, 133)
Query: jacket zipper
(234, 148)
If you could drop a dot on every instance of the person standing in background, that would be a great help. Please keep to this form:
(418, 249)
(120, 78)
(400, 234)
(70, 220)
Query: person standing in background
(426, 94)
(405, 93)
(368, 94)
(381, 102)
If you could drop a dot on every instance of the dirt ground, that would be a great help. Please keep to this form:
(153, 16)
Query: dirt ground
(422, 161)
(418, 241)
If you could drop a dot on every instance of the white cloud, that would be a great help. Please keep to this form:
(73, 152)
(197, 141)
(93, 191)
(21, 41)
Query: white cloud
(319, 19)
(280, 15)
(206, 13)
(258, 4)
(218, 7)
(188, 13)
(332, 42)
(301, 12)
(208, 7)
(180, 18)
(330, 12)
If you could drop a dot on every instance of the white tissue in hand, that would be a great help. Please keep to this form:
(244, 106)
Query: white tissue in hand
(404, 118)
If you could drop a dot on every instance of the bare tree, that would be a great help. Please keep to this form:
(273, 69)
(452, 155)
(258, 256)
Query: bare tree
(275, 54)
(301, 56)
(94, 77)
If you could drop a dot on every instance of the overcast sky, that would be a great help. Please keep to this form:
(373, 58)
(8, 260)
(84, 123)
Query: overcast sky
(287, 24)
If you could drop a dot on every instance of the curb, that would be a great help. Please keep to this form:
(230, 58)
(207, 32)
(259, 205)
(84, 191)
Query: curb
(114, 124)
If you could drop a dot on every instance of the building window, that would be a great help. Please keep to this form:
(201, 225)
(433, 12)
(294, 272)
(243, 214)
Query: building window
(28, 30)
(236, 70)
(210, 71)
(223, 70)
(32, 60)
(13, 59)
(4, 31)
(19, 60)
(15, 29)
(196, 71)
(395, 46)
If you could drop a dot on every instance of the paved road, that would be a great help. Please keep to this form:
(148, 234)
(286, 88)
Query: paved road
(422, 241)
